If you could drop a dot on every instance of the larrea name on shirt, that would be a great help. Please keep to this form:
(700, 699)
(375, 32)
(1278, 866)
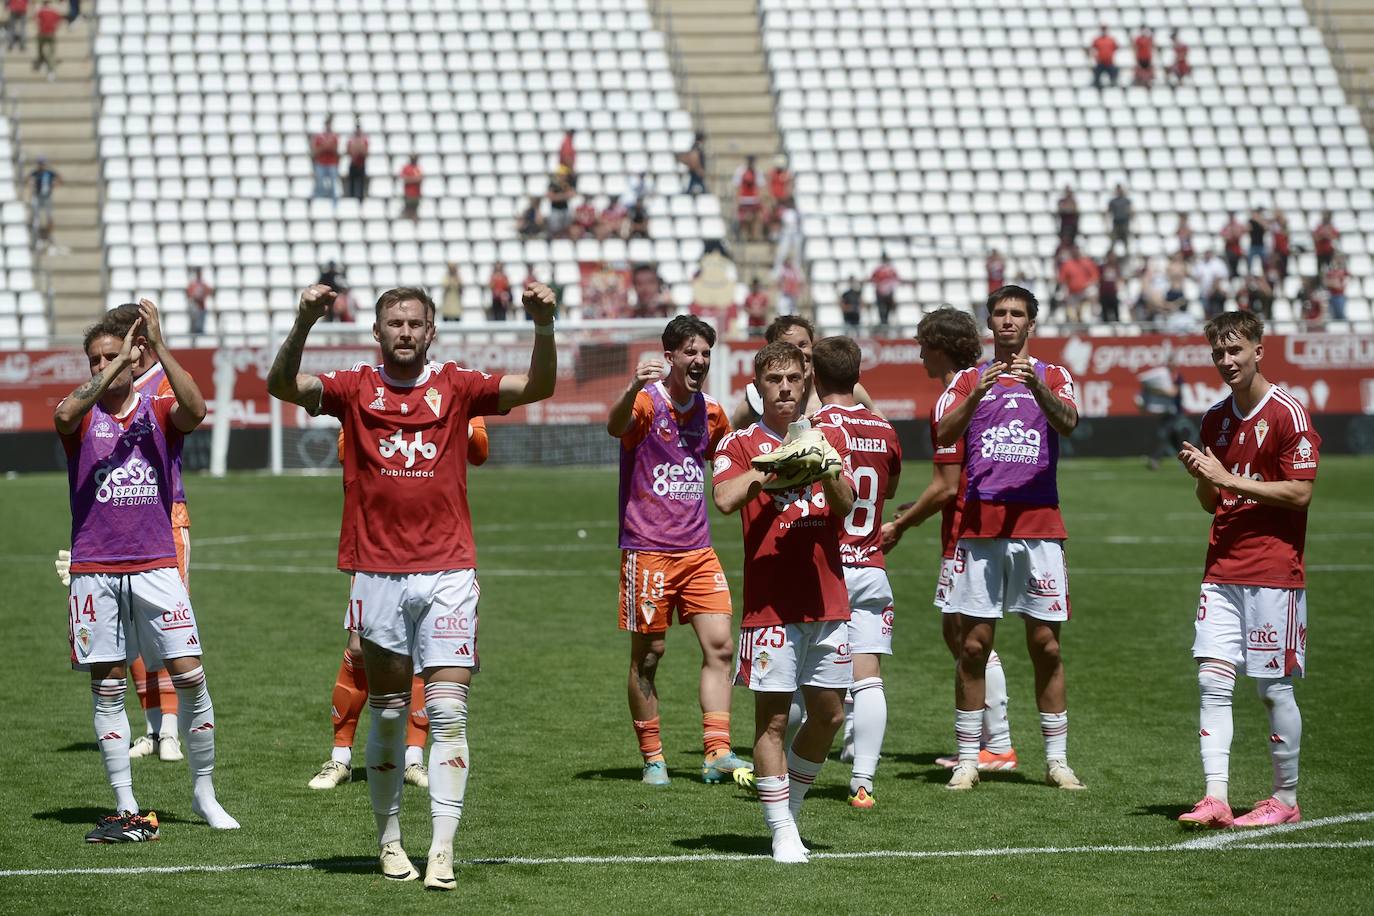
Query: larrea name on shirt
(867, 444)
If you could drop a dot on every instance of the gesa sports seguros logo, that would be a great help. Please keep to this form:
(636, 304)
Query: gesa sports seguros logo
(1012, 442)
(134, 483)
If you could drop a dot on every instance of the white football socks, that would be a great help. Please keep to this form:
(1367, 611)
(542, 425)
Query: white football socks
(447, 705)
(968, 733)
(1285, 735)
(415, 755)
(1054, 727)
(996, 725)
(112, 734)
(775, 794)
(870, 723)
(801, 773)
(342, 755)
(1217, 683)
(386, 739)
(196, 722)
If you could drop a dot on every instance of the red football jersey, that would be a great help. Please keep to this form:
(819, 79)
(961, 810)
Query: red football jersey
(875, 459)
(949, 515)
(405, 473)
(792, 568)
(1251, 543)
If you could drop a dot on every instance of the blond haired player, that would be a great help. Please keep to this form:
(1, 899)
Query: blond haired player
(407, 536)
(668, 430)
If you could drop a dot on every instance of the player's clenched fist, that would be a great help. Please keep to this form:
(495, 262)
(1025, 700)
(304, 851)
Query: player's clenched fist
(651, 370)
(540, 303)
(316, 301)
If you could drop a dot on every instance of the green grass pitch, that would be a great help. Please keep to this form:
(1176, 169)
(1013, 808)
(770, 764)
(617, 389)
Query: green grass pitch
(555, 765)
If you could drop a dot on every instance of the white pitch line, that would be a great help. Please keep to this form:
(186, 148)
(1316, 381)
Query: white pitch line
(1221, 839)
(326, 570)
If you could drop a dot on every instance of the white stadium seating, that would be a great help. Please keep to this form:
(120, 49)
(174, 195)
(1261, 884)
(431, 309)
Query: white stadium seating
(23, 308)
(937, 130)
(206, 110)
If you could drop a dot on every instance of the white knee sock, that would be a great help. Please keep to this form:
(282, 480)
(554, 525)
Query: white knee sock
(1054, 727)
(801, 773)
(775, 792)
(196, 722)
(386, 741)
(112, 734)
(847, 741)
(1285, 735)
(996, 725)
(1217, 683)
(870, 722)
(796, 715)
(968, 732)
(447, 705)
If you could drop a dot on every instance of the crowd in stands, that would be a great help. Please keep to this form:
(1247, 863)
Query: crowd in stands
(1105, 71)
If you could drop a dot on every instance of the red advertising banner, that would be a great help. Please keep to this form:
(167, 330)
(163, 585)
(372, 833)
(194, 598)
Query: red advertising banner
(1330, 373)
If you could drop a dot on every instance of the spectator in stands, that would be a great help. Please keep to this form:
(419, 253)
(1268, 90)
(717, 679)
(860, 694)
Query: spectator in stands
(1184, 233)
(636, 190)
(1119, 211)
(530, 223)
(789, 282)
(560, 196)
(17, 25)
(332, 277)
(43, 180)
(1258, 229)
(499, 284)
(1324, 238)
(1231, 236)
(73, 11)
(1078, 275)
(583, 220)
(651, 297)
(1211, 276)
(451, 294)
(1334, 279)
(746, 185)
(567, 153)
(1175, 275)
(1312, 299)
(1067, 211)
(756, 308)
(198, 294)
(1278, 228)
(1103, 52)
(48, 20)
(324, 153)
(695, 161)
(1109, 287)
(852, 304)
(1180, 68)
(611, 222)
(356, 148)
(996, 266)
(789, 233)
(639, 221)
(1255, 295)
(1149, 305)
(885, 281)
(1144, 58)
(412, 176)
(779, 194)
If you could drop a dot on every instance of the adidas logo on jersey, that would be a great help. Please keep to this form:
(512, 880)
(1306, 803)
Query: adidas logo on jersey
(379, 402)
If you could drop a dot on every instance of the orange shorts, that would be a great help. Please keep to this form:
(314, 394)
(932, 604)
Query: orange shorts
(181, 534)
(654, 585)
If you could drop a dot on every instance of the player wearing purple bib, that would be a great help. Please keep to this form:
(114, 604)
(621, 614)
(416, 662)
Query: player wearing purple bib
(126, 597)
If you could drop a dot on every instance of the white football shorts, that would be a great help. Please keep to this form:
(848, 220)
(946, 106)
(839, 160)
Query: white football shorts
(944, 585)
(780, 659)
(996, 576)
(870, 609)
(1263, 629)
(116, 618)
(432, 617)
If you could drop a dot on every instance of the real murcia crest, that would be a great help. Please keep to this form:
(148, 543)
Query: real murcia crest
(1261, 430)
(434, 399)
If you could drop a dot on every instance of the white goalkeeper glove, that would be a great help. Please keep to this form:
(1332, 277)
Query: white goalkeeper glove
(64, 566)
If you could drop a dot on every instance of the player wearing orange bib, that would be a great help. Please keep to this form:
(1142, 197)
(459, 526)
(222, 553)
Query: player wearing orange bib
(350, 685)
(668, 430)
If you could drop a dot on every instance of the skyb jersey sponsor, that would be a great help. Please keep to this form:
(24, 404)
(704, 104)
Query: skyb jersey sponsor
(1251, 543)
(405, 465)
(792, 567)
(119, 471)
(875, 460)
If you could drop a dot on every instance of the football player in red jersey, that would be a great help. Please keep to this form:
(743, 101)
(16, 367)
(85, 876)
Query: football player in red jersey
(1255, 465)
(407, 536)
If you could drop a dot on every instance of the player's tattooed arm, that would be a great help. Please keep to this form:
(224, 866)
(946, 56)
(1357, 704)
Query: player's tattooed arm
(67, 417)
(190, 406)
(536, 385)
(955, 422)
(1062, 415)
(285, 381)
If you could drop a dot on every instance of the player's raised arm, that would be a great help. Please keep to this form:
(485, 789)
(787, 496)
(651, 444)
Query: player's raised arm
(285, 382)
(955, 418)
(622, 413)
(189, 410)
(1059, 410)
(67, 416)
(1212, 477)
(943, 486)
(516, 390)
(731, 495)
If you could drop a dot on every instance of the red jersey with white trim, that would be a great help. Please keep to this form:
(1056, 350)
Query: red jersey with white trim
(875, 458)
(949, 515)
(1008, 518)
(792, 568)
(1251, 543)
(405, 467)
